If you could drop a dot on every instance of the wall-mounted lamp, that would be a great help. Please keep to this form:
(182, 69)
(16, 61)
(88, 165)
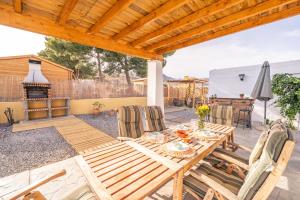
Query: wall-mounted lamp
(242, 77)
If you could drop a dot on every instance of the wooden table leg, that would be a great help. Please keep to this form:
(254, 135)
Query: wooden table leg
(231, 137)
(178, 186)
(225, 143)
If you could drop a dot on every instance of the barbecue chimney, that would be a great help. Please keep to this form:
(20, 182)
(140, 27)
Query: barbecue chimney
(35, 74)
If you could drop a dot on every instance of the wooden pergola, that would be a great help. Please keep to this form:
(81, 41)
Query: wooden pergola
(191, 83)
(143, 28)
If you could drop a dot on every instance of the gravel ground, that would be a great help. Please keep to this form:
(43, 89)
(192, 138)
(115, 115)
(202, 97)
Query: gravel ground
(31, 149)
(104, 122)
(183, 116)
(109, 124)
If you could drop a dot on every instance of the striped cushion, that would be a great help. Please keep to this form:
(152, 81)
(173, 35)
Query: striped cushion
(214, 161)
(154, 118)
(130, 122)
(221, 114)
(229, 181)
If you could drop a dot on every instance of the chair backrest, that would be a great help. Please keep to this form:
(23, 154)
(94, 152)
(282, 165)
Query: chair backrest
(265, 172)
(154, 118)
(130, 122)
(260, 144)
(221, 114)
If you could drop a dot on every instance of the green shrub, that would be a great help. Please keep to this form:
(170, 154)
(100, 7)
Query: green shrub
(287, 89)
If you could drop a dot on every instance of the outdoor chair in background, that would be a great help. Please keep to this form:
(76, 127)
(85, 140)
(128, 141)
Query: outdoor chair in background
(262, 176)
(178, 102)
(244, 116)
(130, 122)
(154, 118)
(221, 114)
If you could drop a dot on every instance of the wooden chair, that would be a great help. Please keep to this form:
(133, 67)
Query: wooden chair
(233, 163)
(154, 118)
(221, 114)
(130, 122)
(28, 193)
(207, 182)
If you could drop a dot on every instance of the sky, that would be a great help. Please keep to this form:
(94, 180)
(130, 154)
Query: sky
(278, 41)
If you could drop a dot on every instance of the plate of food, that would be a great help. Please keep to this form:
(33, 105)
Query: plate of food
(155, 137)
(182, 127)
(205, 135)
(178, 149)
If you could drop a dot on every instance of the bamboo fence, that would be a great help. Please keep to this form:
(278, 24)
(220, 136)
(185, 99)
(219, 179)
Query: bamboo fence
(11, 89)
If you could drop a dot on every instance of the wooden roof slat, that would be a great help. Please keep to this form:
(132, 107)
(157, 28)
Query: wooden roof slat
(250, 24)
(66, 11)
(248, 12)
(47, 27)
(208, 10)
(113, 11)
(143, 28)
(17, 5)
(165, 8)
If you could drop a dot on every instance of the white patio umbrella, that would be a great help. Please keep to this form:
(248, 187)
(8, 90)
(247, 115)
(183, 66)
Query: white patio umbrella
(262, 90)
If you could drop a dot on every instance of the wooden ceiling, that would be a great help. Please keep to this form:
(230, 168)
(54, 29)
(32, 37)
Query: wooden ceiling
(143, 28)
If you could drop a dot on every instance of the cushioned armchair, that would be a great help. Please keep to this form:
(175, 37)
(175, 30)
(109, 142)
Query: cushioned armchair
(130, 122)
(233, 163)
(221, 114)
(154, 118)
(207, 182)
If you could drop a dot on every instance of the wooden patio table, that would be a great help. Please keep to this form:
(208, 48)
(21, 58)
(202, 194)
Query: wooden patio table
(136, 169)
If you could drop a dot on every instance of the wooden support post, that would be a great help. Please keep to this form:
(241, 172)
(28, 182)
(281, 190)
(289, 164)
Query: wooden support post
(26, 114)
(168, 98)
(194, 91)
(202, 91)
(68, 106)
(49, 108)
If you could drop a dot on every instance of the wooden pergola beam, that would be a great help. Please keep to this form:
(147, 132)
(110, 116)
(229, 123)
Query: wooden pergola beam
(48, 27)
(66, 11)
(17, 6)
(246, 13)
(162, 10)
(112, 12)
(251, 24)
(197, 15)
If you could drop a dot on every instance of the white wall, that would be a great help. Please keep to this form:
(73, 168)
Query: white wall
(226, 83)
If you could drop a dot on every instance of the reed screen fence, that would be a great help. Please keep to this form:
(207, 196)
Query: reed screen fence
(11, 89)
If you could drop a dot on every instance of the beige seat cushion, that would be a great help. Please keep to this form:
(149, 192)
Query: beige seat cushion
(264, 165)
(258, 148)
(81, 192)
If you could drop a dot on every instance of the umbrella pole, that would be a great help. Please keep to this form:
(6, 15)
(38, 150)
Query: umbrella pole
(265, 113)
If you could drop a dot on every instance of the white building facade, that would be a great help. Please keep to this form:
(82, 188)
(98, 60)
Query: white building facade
(228, 84)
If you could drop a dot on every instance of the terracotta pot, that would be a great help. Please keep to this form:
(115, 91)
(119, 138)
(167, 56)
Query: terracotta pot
(96, 112)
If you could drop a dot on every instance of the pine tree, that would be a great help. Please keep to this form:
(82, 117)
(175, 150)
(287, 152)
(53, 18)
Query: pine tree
(70, 55)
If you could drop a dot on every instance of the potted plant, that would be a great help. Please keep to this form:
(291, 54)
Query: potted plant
(202, 112)
(97, 106)
(242, 95)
